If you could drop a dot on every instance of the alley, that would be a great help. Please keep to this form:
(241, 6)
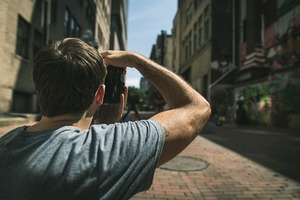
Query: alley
(243, 163)
(275, 149)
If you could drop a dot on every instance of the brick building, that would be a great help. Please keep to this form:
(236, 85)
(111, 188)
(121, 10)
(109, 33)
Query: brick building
(28, 25)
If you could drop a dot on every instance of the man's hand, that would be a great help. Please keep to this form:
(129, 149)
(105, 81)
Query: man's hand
(111, 113)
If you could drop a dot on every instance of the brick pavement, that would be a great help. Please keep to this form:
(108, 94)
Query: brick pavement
(228, 176)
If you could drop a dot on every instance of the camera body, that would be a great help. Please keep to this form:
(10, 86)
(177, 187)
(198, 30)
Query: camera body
(114, 84)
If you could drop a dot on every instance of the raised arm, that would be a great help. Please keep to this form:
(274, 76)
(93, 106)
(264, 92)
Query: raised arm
(189, 110)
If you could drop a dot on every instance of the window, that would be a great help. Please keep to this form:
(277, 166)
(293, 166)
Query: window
(206, 29)
(38, 42)
(39, 4)
(195, 37)
(190, 43)
(78, 30)
(206, 22)
(67, 21)
(90, 13)
(205, 85)
(186, 50)
(200, 31)
(53, 11)
(195, 42)
(189, 13)
(174, 31)
(73, 27)
(174, 56)
(200, 20)
(22, 102)
(206, 11)
(81, 3)
(198, 3)
(187, 75)
(244, 30)
(200, 37)
(22, 37)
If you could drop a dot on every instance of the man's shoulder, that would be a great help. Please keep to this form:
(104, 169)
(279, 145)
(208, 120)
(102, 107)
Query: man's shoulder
(125, 130)
(126, 125)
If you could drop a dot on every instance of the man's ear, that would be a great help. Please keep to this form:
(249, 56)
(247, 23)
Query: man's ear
(100, 94)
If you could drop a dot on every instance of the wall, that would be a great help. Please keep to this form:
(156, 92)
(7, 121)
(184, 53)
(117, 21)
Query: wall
(13, 67)
(275, 101)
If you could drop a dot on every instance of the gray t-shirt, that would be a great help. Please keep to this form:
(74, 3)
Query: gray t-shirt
(104, 162)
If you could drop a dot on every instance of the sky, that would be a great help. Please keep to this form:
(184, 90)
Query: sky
(146, 20)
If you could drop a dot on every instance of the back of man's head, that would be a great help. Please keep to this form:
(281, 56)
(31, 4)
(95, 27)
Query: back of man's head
(67, 75)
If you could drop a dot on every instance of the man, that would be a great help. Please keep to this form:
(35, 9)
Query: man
(63, 156)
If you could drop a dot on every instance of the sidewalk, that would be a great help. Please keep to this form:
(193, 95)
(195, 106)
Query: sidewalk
(229, 176)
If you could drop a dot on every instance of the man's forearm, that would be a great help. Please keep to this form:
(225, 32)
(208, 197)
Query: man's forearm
(189, 110)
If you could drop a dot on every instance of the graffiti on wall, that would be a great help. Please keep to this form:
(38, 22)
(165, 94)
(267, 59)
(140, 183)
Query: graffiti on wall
(280, 95)
(257, 102)
(286, 90)
(286, 51)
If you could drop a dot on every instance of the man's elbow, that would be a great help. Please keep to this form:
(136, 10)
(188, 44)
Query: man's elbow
(203, 115)
(207, 111)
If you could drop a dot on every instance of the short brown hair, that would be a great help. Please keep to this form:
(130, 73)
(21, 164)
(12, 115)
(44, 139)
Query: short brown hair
(67, 75)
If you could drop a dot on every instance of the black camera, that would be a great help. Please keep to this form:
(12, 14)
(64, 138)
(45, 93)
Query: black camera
(114, 84)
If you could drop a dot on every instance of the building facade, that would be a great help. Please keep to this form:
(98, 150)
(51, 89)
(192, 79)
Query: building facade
(103, 20)
(243, 56)
(162, 50)
(28, 25)
(118, 28)
(203, 44)
(161, 53)
(268, 80)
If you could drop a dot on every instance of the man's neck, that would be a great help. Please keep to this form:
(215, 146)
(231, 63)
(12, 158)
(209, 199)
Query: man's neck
(80, 121)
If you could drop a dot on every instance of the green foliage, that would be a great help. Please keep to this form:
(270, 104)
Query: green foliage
(139, 97)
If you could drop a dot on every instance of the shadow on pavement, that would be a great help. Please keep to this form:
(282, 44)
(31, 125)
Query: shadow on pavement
(278, 150)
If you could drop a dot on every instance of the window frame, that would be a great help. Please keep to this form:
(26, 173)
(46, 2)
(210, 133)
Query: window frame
(23, 37)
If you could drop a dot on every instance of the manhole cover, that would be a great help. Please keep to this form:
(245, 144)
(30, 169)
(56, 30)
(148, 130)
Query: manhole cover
(181, 163)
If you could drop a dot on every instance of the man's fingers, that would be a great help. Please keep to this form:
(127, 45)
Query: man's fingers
(104, 53)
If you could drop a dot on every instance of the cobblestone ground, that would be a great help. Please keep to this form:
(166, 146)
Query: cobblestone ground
(228, 176)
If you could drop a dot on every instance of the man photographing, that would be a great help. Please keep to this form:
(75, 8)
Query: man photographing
(63, 156)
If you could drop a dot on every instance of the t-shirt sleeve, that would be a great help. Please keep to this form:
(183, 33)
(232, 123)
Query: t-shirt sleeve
(128, 154)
